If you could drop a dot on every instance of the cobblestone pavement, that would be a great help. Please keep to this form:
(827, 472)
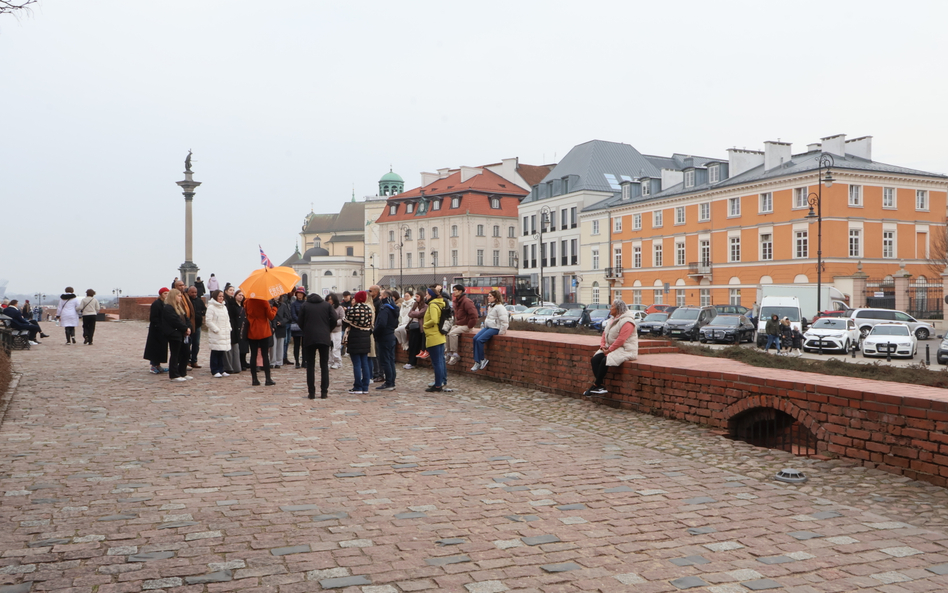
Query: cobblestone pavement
(116, 480)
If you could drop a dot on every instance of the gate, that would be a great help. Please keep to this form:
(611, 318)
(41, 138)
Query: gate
(925, 299)
(773, 429)
(880, 293)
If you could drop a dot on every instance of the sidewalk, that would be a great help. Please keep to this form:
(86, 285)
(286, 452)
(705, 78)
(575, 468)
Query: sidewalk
(115, 480)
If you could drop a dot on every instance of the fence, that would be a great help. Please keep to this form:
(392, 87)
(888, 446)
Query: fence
(925, 298)
(880, 293)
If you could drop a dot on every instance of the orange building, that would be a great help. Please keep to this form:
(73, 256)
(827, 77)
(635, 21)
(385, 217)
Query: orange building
(726, 227)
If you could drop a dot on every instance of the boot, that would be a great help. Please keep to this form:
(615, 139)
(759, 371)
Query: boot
(286, 361)
(255, 382)
(269, 381)
(297, 364)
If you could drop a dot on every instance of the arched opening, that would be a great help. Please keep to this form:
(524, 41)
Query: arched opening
(305, 280)
(773, 429)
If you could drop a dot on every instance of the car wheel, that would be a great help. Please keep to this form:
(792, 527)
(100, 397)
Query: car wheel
(848, 346)
(549, 324)
(703, 341)
(921, 333)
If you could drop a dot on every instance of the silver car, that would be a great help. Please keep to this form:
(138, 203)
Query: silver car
(866, 319)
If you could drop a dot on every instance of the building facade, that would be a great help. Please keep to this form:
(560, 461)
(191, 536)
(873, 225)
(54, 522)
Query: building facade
(333, 250)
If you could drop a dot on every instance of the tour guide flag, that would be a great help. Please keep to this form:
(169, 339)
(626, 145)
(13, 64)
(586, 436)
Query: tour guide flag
(269, 283)
(264, 260)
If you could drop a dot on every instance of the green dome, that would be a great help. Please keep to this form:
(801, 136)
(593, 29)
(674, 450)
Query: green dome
(392, 177)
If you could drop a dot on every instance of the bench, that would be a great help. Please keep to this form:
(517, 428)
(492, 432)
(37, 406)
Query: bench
(13, 339)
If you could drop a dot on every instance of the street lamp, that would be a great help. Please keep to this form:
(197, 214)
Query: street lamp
(405, 236)
(544, 216)
(816, 199)
(434, 267)
(39, 297)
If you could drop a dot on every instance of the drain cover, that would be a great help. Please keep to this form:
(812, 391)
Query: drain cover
(793, 476)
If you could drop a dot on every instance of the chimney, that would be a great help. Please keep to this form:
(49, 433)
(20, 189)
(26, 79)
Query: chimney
(468, 172)
(740, 160)
(775, 154)
(860, 147)
(428, 178)
(442, 173)
(835, 144)
(814, 147)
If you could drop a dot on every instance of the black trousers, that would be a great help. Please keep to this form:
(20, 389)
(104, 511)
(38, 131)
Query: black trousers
(416, 343)
(88, 328)
(599, 368)
(309, 357)
(297, 344)
(178, 360)
(264, 347)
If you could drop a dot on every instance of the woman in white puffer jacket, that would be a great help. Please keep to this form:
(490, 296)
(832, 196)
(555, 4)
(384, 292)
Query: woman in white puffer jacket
(217, 321)
(495, 322)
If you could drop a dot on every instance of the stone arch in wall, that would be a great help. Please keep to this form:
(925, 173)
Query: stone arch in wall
(766, 280)
(765, 407)
(800, 279)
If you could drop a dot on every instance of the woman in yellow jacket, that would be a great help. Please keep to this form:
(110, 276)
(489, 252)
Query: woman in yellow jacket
(434, 339)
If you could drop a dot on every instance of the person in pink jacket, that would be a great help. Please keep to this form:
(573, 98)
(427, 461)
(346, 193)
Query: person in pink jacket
(619, 343)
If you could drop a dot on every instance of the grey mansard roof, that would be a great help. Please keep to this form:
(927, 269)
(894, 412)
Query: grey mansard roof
(597, 164)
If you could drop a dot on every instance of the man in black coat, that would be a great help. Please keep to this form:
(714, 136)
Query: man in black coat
(385, 323)
(199, 285)
(156, 344)
(316, 319)
(17, 321)
(200, 310)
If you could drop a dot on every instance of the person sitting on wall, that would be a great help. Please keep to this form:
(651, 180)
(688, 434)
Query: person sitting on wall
(619, 343)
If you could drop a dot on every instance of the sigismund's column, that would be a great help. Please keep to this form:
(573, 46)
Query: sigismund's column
(188, 270)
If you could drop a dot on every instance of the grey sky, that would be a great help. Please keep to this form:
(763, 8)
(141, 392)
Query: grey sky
(296, 102)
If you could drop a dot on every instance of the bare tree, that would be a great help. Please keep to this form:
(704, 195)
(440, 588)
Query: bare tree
(938, 255)
(15, 6)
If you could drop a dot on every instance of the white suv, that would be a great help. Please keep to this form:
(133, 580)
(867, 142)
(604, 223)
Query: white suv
(866, 318)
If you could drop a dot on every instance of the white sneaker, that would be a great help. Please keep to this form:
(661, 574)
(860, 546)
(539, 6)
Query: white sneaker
(32, 343)
(179, 379)
(225, 374)
(218, 375)
(408, 367)
(476, 367)
(484, 363)
(188, 378)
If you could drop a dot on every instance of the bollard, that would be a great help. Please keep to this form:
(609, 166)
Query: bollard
(888, 352)
(928, 356)
(853, 347)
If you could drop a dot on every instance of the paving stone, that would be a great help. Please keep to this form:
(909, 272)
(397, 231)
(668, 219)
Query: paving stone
(341, 582)
(723, 546)
(622, 488)
(236, 474)
(887, 578)
(48, 542)
(328, 573)
(149, 556)
(522, 518)
(23, 588)
(804, 535)
(356, 543)
(117, 518)
(435, 472)
(699, 500)
(404, 465)
(842, 540)
(445, 560)
(286, 551)
(537, 540)
(451, 541)
(775, 559)
(483, 587)
(701, 530)
(629, 578)
(177, 524)
(762, 584)
(689, 582)
(202, 535)
(412, 515)
(571, 507)
(900, 551)
(826, 515)
(162, 583)
(221, 576)
(350, 475)
(231, 565)
(380, 589)
(689, 561)
(561, 567)
(505, 544)
(330, 516)
(745, 574)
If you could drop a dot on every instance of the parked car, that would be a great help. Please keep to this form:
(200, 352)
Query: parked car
(731, 309)
(657, 308)
(686, 322)
(728, 329)
(571, 306)
(523, 315)
(605, 306)
(597, 317)
(831, 333)
(515, 308)
(942, 354)
(866, 319)
(570, 318)
(639, 316)
(545, 315)
(652, 325)
(781, 306)
(895, 338)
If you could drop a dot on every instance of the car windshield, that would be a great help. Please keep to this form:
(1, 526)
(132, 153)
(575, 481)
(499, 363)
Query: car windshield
(727, 320)
(889, 330)
(516, 308)
(656, 317)
(830, 324)
(600, 314)
(573, 313)
(685, 314)
(793, 313)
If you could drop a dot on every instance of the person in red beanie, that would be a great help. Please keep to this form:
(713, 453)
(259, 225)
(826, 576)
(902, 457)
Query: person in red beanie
(156, 344)
(259, 315)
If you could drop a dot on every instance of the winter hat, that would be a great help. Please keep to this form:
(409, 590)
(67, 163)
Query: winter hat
(360, 296)
(300, 289)
(162, 291)
(432, 293)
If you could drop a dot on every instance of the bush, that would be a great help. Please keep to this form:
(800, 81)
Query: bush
(535, 327)
(916, 374)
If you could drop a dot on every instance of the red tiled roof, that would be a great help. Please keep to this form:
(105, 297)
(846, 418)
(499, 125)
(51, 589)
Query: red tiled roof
(475, 195)
(486, 181)
(534, 174)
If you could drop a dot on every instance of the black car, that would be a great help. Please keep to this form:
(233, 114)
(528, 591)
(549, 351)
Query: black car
(686, 322)
(653, 324)
(572, 318)
(728, 329)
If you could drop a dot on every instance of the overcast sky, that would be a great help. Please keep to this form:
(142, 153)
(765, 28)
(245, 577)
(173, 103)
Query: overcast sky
(298, 102)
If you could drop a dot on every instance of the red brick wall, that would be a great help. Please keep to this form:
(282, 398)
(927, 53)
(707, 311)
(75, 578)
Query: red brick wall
(873, 422)
(135, 307)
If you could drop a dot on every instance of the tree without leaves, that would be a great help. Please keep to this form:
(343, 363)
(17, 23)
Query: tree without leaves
(938, 256)
(14, 6)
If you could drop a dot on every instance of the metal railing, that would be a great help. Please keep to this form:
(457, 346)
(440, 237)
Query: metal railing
(699, 268)
(615, 272)
(773, 429)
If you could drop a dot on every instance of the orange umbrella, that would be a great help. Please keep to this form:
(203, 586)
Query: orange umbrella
(269, 283)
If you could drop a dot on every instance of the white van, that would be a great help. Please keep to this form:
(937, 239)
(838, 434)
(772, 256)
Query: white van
(781, 306)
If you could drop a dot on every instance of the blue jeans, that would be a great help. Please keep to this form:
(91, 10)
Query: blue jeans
(217, 361)
(772, 340)
(480, 340)
(436, 356)
(385, 349)
(361, 371)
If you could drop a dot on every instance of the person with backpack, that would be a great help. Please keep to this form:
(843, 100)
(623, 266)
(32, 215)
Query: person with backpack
(385, 324)
(465, 318)
(435, 339)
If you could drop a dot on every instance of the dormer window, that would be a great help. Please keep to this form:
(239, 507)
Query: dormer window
(456, 202)
(393, 209)
(713, 174)
(495, 203)
(409, 208)
(690, 178)
(645, 187)
(626, 191)
(436, 204)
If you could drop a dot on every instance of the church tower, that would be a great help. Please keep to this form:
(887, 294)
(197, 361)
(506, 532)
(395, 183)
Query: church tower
(391, 184)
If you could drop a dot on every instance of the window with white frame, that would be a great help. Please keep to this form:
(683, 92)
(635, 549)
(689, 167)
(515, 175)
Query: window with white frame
(617, 257)
(421, 259)
(921, 199)
(658, 297)
(421, 234)
(657, 255)
(734, 207)
(680, 297)
(657, 219)
(480, 230)
(855, 243)
(704, 297)
(454, 230)
(713, 174)
(888, 244)
(511, 232)
(636, 257)
(595, 225)
(496, 230)
(800, 245)
(495, 203)
(766, 202)
(455, 202)
(391, 260)
(704, 211)
(799, 197)
(434, 232)
(704, 252)
(888, 197)
(454, 257)
(409, 208)
(734, 296)
(690, 178)
(533, 223)
(855, 195)
(636, 297)
(646, 188)
(391, 236)
(563, 255)
(595, 292)
(408, 260)
(680, 215)
(617, 224)
(526, 257)
(680, 253)
(511, 259)
(564, 219)
(766, 246)
(595, 258)
(526, 225)
(574, 252)
(393, 209)
(734, 253)
(436, 204)
(626, 191)
(573, 220)
(636, 222)
(496, 258)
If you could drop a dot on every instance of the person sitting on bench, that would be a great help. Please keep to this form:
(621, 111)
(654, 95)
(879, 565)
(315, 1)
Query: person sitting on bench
(17, 321)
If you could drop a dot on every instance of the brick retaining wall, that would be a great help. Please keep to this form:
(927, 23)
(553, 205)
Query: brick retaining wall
(891, 426)
(135, 307)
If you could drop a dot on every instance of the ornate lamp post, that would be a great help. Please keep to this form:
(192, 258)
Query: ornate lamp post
(405, 236)
(118, 293)
(816, 199)
(39, 297)
(544, 217)
(434, 267)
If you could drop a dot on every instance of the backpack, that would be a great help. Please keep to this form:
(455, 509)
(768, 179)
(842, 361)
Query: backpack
(446, 321)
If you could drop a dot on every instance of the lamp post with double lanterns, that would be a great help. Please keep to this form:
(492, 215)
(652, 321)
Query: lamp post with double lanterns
(816, 199)
(39, 297)
(544, 218)
(404, 230)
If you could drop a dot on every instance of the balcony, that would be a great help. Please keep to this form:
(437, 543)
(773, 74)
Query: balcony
(699, 270)
(614, 273)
